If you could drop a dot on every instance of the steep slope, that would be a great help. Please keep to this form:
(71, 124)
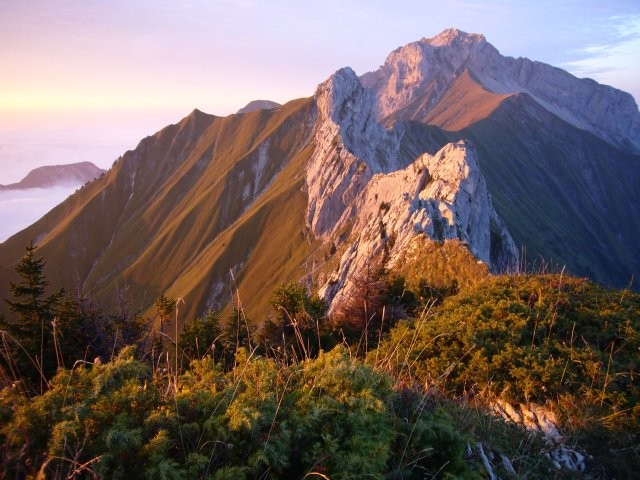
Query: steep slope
(565, 194)
(178, 212)
(55, 175)
(464, 102)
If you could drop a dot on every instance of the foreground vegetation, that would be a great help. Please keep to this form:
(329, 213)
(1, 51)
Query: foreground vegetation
(399, 388)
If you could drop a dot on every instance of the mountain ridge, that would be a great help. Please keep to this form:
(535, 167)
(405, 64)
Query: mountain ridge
(428, 66)
(321, 188)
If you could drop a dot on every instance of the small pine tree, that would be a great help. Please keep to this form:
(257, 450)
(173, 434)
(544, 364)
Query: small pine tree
(236, 333)
(297, 323)
(202, 337)
(33, 325)
(166, 307)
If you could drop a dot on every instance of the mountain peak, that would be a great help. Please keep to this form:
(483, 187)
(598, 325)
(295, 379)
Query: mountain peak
(259, 105)
(416, 77)
(452, 36)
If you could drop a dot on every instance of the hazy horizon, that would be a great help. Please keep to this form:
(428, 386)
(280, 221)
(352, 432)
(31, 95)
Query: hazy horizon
(21, 208)
(97, 137)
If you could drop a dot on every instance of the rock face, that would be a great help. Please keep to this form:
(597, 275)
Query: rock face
(56, 175)
(358, 177)
(350, 147)
(421, 72)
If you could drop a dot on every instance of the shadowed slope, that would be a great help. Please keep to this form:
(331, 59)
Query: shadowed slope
(566, 194)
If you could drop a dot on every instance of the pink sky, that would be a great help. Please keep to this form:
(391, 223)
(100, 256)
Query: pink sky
(82, 79)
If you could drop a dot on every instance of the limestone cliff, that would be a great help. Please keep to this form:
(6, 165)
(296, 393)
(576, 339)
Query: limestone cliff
(359, 176)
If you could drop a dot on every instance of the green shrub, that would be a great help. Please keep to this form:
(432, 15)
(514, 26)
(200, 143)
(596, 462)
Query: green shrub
(529, 338)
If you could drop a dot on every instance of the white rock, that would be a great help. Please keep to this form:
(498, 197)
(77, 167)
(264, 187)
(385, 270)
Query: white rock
(350, 147)
(357, 176)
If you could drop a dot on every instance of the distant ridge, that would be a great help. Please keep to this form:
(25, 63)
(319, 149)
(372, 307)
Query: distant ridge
(57, 175)
(259, 105)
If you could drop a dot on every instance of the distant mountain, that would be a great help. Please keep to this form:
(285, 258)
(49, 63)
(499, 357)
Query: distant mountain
(448, 142)
(57, 175)
(259, 105)
(425, 79)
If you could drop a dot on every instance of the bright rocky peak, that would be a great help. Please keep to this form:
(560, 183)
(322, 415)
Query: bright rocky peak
(358, 177)
(423, 71)
(453, 35)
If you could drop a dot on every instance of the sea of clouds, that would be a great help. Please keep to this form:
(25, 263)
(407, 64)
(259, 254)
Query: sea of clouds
(21, 208)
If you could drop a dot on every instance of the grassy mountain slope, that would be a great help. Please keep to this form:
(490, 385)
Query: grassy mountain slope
(568, 196)
(179, 208)
(464, 103)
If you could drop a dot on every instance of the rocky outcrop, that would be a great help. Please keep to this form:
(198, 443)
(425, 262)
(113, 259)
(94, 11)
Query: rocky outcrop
(350, 146)
(442, 196)
(424, 70)
(358, 177)
(537, 418)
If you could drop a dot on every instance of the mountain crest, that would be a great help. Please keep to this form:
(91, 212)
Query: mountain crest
(453, 36)
(421, 73)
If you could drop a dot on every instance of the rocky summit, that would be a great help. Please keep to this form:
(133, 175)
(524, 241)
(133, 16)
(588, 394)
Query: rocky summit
(415, 79)
(371, 186)
(448, 141)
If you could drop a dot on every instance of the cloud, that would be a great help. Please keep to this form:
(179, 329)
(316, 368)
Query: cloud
(613, 59)
(21, 208)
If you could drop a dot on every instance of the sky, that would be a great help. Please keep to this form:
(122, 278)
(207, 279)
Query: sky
(87, 79)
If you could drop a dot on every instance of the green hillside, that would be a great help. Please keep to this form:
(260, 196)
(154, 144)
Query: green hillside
(177, 214)
(416, 401)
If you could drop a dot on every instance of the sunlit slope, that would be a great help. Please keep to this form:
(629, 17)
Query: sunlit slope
(463, 103)
(170, 212)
